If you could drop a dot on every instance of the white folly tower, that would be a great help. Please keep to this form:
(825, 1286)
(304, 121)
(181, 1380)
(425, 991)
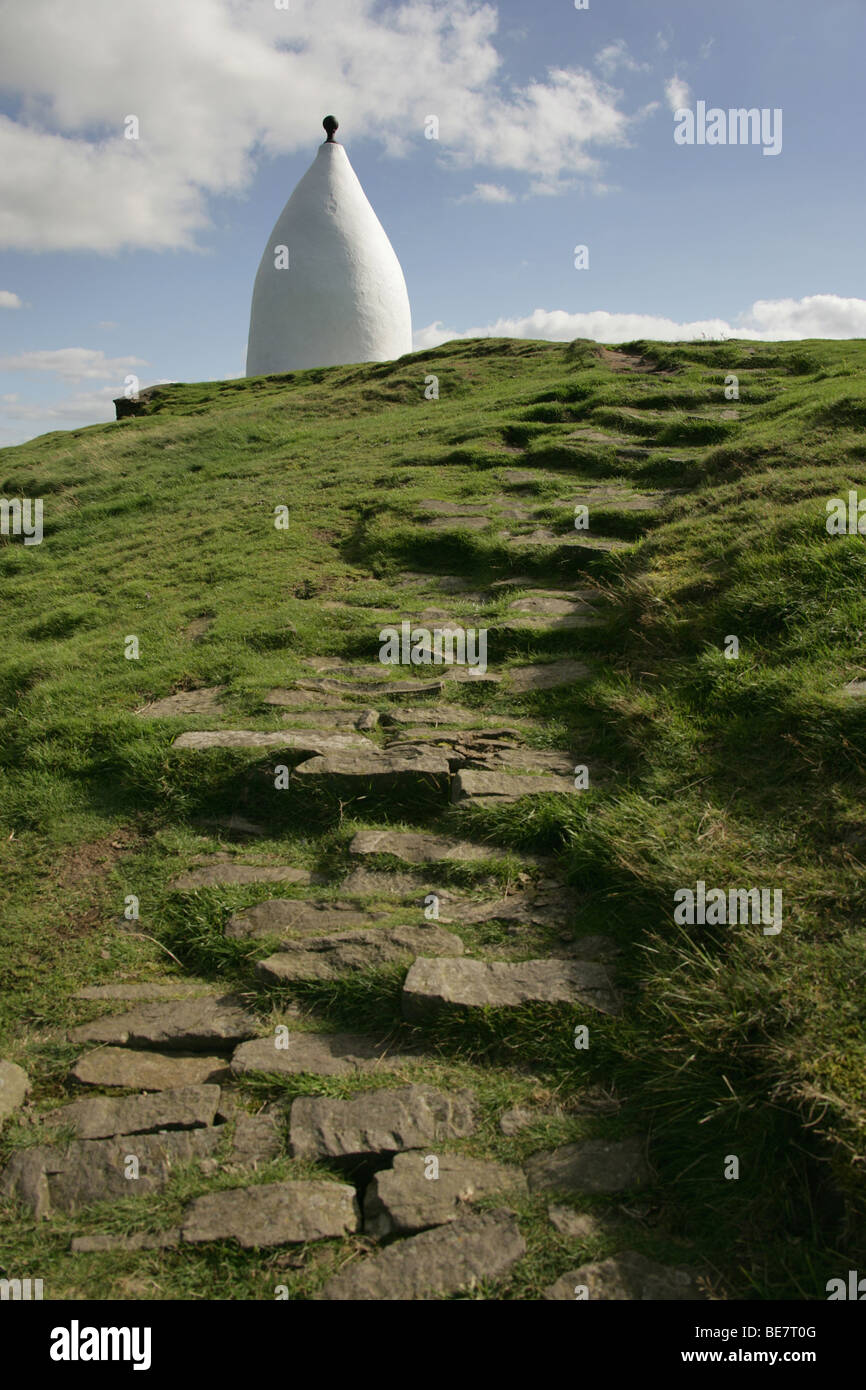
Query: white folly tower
(329, 289)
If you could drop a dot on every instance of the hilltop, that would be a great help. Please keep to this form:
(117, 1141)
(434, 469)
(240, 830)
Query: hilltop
(254, 537)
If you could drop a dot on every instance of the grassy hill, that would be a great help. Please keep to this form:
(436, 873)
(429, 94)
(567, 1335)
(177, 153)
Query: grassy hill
(707, 521)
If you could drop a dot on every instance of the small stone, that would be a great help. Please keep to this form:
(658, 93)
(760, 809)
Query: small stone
(192, 1025)
(592, 1165)
(99, 1117)
(404, 1198)
(378, 1122)
(147, 1071)
(257, 1139)
(435, 1263)
(432, 985)
(14, 1088)
(513, 1121)
(576, 1225)
(628, 1277)
(328, 957)
(95, 1245)
(319, 1054)
(281, 1213)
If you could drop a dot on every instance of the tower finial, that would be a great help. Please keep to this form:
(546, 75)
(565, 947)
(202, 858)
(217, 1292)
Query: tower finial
(331, 125)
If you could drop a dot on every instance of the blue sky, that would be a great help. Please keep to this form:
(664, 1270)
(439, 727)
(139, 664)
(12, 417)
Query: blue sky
(556, 128)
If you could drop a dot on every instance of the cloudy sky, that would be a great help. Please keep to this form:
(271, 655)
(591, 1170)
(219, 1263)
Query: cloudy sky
(556, 130)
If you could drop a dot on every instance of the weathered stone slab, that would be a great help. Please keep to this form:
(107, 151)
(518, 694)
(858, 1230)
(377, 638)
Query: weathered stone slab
(284, 916)
(378, 1122)
(193, 1025)
(307, 742)
(300, 699)
(403, 1199)
(592, 1165)
(435, 1263)
(498, 788)
(279, 1213)
(14, 1088)
(158, 989)
(99, 1117)
(148, 1071)
(546, 675)
(363, 689)
(95, 1170)
(205, 701)
(418, 771)
(210, 874)
(328, 957)
(415, 848)
(432, 985)
(628, 1277)
(145, 1240)
(544, 906)
(320, 1054)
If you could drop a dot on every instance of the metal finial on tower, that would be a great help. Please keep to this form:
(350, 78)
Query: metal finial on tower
(331, 125)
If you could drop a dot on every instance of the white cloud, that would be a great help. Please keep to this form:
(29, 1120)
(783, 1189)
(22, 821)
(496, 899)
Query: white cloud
(72, 364)
(706, 47)
(678, 93)
(217, 83)
(816, 316)
(616, 55)
(8, 300)
(488, 193)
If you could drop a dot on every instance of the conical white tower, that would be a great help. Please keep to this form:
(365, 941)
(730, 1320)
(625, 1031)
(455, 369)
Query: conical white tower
(342, 298)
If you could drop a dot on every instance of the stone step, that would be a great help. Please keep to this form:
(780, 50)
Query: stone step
(194, 1025)
(545, 675)
(306, 742)
(95, 1170)
(406, 1197)
(628, 1277)
(434, 1264)
(319, 1054)
(436, 984)
(281, 1213)
(362, 774)
(148, 1071)
(592, 1165)
(497, 788)
(100, 1117)
(235, 872)
(185, 702)
(416, 848)
(329, 957)
(158, 989)
(294, 916)
(378, 1123)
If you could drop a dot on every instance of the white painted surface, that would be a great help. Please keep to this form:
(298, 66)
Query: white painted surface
(343, 298)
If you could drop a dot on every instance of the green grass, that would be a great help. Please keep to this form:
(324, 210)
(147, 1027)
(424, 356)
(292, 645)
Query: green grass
(738, 772)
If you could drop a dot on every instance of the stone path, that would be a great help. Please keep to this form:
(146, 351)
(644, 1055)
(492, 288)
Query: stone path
(163, 1081)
